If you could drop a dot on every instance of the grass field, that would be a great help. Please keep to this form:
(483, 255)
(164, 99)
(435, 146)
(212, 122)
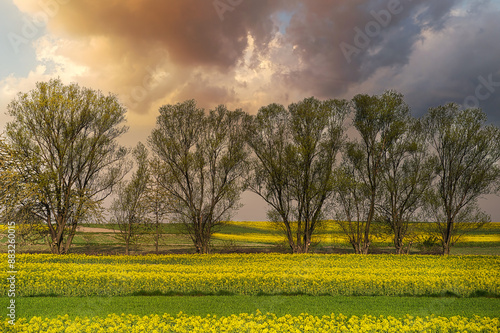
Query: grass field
(262, 237)
(50, 307)
(254, 292)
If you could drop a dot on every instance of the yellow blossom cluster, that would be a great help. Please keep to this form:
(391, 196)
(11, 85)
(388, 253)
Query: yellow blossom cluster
(252, 274)
(256, 322)
(24, 227)
(330, 232)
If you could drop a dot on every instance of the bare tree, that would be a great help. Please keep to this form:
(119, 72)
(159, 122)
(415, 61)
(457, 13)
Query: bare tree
(202, 161)
(467, 153)
(295, 154)
(66, 137)
(351, 203)
(130, 209)
(158, 203)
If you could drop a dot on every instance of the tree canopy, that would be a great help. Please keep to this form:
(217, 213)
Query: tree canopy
(201, 161)
(59, 159)
(65, 137)
(467, 153)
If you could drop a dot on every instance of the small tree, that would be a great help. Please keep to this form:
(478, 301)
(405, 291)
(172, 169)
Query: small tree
(129, 208)
(65, 138)
(202, 161)
(158, 204)
(466, 164)
(351, 203)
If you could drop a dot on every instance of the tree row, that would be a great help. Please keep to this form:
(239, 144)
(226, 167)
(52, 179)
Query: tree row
(60, 159)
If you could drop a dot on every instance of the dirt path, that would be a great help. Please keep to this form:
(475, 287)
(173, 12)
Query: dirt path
(96, 230)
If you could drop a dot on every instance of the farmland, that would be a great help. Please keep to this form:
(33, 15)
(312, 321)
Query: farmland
(277, 274)
(267, 237)
(254, 292)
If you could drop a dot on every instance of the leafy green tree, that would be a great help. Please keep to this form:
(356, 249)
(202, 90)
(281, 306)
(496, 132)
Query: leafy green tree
(380, 120)
(65, 137)
(467, 152)
(130, 208)
(201, 160)
(295, 154)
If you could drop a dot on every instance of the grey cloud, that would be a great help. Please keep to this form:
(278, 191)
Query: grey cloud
(319, 29)
(466, 70)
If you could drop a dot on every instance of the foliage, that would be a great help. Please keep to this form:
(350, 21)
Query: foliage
(295, 154)
(380, 121)
(407, 174)
(65, 139)
(467, 153)
(200, 161)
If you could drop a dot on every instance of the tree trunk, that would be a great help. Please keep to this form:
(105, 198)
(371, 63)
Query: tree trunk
(398, 242)
(307, 242)
(299, 236)
(55, 248)
(366, 239)
(447, 238)
(408, 247)
(446, 248)
(56, 245)
(202, 247)
(356, 246)
(289, 237)
(365, 246)
(157, 236)
(69, 239)
(202, 243)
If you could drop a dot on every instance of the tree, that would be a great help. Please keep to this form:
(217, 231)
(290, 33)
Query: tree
(406, 177)
(380, 120)
(295, 154)
(351, 201)
(130, 208)
(158, 203)
(202, 161)
(269, 136)
(65, 137)
(466, 164)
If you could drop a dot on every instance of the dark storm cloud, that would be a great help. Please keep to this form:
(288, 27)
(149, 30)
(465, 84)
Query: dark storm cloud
(464, 68)
(193, 32)
(337, 46)
(346, 44)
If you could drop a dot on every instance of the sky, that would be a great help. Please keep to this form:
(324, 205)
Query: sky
(250, 53)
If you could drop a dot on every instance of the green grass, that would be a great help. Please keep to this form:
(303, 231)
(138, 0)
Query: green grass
(281, 305)
(173, 241)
